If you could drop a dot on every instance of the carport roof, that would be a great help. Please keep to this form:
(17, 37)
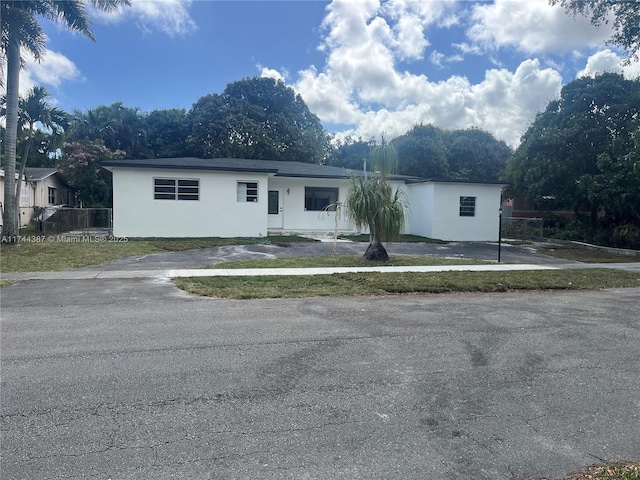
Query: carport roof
(277, 168)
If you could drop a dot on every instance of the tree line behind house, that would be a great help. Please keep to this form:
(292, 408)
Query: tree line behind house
(582, 154)
(256, 118)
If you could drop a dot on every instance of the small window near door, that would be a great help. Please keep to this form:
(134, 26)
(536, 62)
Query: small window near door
(318, 198)
(467, 206)
(247, 192)
(52, 196)
(274, 202)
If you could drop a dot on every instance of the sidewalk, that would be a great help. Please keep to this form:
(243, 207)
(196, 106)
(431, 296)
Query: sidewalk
(97, 273)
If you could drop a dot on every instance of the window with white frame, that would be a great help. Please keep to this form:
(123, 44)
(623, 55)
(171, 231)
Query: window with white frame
(52, 196)
(467, 206)
(247, 192)
(318, 198)
(176, 189)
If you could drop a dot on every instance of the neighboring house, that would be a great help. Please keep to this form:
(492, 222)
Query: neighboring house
(41, 187)
(194, 197)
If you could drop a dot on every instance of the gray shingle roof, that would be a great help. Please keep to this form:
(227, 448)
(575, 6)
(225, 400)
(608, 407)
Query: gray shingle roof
(280, 169)
(39, 173)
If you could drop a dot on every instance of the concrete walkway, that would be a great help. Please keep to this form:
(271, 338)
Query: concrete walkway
(97, 273)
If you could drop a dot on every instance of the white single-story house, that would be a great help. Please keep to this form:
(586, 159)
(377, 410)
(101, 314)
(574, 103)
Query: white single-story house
(224, 197)
(41, 187)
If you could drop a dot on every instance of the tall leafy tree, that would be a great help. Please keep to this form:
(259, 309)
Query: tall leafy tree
(81, 164)
(119, 127)
(371, 202)
(350, 153)
(422, 152)
(20, 29)
(476, 155)
(626, 20)
(168, 132)
(257, 118)
(579, 151)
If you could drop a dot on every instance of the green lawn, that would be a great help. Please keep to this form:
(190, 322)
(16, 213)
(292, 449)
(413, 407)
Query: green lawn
(55, 253)
(374, 283)
(345, 261)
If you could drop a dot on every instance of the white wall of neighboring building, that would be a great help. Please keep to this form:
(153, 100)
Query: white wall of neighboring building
(217, 213)
(435, 211)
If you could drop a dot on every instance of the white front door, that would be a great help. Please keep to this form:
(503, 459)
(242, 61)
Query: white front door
(276, 215)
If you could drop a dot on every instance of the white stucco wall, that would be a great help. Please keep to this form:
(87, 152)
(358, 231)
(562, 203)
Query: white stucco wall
(419, 218)
(216, 214)
(296, 218)
(436, 211)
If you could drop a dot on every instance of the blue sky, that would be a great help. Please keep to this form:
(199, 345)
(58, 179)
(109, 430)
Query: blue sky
(363, 66)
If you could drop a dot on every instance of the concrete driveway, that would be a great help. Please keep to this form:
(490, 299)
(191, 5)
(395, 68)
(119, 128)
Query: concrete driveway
(210, 256)
(134, 379)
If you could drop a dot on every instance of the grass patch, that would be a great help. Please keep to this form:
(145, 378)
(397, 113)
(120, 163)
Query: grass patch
(612, 471)
(6, 283)
(345, 261)
(375, 283)
(182, 244)
(586, 255)
(56, 256)
(53, 253)
(402, 239)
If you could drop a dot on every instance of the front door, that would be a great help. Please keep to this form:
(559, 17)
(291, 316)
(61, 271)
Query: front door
(276, 216)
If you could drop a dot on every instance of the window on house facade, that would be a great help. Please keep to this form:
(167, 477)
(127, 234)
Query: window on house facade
(247, 191)
(52, 196)
(467, 206)
(176, 189)
(317, 198)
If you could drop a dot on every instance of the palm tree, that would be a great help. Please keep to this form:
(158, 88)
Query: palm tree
(20, 29)
(373, 203)
(33, 109)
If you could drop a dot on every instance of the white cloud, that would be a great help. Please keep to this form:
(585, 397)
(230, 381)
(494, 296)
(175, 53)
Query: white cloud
(532, 26)
(608, 61)
(362, 87)
(53, 69)
(168, 16)
(271, 73)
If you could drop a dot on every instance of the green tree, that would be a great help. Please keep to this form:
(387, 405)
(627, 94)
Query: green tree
(422, 152)
(168, 132)
(579, 151)
(81, 165)
(626, 23)
(20, 29)
(475, 155)
(119, 127)
(257, 118)
(350, 153)
(372, 203)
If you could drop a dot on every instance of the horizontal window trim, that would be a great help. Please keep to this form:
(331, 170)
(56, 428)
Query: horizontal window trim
(177, 189)
(247, 191)
(467, 206)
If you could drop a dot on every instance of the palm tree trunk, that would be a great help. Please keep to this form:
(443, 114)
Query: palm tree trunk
(23, 165)
(10, 224)
(376, 251)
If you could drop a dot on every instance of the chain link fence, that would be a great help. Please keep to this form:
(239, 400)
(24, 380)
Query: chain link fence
(522, 228)
(75, 221)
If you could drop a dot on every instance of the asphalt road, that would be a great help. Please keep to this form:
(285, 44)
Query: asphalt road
(134, 379)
